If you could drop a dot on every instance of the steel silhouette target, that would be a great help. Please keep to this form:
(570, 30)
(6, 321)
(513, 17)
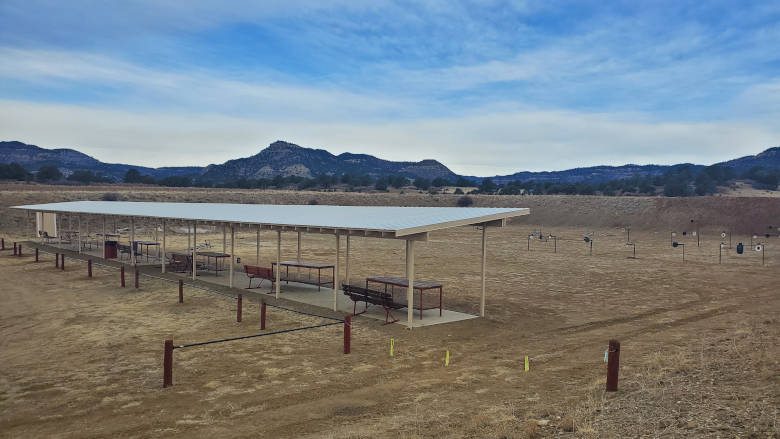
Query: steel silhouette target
(678, 244)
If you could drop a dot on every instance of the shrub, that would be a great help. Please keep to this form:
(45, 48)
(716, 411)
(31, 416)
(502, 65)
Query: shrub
(48, 173)
(110, 196)
(465, 201)
(313, 202)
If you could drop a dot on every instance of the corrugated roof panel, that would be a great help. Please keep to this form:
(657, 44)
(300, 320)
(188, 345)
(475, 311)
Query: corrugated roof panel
(375, 218)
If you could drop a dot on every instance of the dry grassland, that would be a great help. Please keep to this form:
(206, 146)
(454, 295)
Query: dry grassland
(82, 358)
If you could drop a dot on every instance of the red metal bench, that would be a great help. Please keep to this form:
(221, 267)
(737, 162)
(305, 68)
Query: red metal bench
(262, 273)
(372, 297)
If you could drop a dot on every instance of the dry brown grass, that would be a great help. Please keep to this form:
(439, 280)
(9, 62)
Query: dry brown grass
(699, 359)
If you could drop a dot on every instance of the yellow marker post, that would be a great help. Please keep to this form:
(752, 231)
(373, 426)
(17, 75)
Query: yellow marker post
(392, 344)
(527, 366)
(447, 358)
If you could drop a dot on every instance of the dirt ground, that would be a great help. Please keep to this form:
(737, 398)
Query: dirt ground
(83, 358)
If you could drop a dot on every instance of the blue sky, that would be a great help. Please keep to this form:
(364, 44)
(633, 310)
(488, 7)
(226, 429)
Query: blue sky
(486, 87)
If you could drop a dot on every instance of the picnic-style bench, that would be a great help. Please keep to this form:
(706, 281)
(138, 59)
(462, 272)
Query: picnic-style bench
(178, 263)
(372, 297)
(126, 250)
(262, 273)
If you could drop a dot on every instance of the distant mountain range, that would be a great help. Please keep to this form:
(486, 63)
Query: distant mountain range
(285, 159)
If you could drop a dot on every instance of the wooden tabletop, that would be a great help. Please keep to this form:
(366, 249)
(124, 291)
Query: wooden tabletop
(303, 264)
(213, 254)
(403, 282)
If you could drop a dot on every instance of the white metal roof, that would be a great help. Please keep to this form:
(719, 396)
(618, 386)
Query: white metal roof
(401, 221)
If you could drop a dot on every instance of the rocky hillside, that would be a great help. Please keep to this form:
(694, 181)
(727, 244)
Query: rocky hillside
(283, 158)
(32, 157)
(769, 159)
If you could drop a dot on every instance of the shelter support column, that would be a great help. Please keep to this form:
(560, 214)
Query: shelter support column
(194, 251)
(484, 267)
(298, 255)
(278, 261)
(78, 234)
(257, 257)
(232, 253)
(410, 279)
(347, 273)
(336, 272)
(103, 244)
(132, 241)
(224, 238)
(164, 238)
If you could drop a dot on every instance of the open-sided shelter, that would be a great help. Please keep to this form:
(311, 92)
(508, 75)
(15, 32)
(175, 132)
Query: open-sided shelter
(411, 224)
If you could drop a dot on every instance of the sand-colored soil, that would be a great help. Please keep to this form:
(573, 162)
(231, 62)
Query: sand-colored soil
(82, 357)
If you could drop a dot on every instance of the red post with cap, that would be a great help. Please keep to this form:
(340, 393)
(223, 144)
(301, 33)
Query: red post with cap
(238, 308)
(347, 333)
(20, 250)
(14, 249)
(89, 268)
(122, 275)
(2, 243)
(181, 291)
(613, 366)
(168, 364)
(56, 260)
(136, 277)
(36, 254)
(262, 314)
(62, 262)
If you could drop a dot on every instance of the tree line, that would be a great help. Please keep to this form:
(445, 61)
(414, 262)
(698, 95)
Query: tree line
(677, 181)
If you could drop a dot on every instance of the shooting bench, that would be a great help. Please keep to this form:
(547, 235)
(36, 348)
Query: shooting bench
(320, 281)
(372, 297)
(420, 286)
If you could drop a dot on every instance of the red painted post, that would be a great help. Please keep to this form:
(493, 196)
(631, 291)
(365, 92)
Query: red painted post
(2, 243)
(168, 364)
(181, 291)
(14, 249)
(89, 268)
(57, 260)
(238, 309)
(262, 314)
(20, 250)
(347, 333)
(613, 366)
(122, 275)
(62, 262)
(36, 254)
(136, 277)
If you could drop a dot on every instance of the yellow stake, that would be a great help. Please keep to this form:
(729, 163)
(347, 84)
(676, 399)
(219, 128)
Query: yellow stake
(527, 368)
(447, 358)
(392, 343)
